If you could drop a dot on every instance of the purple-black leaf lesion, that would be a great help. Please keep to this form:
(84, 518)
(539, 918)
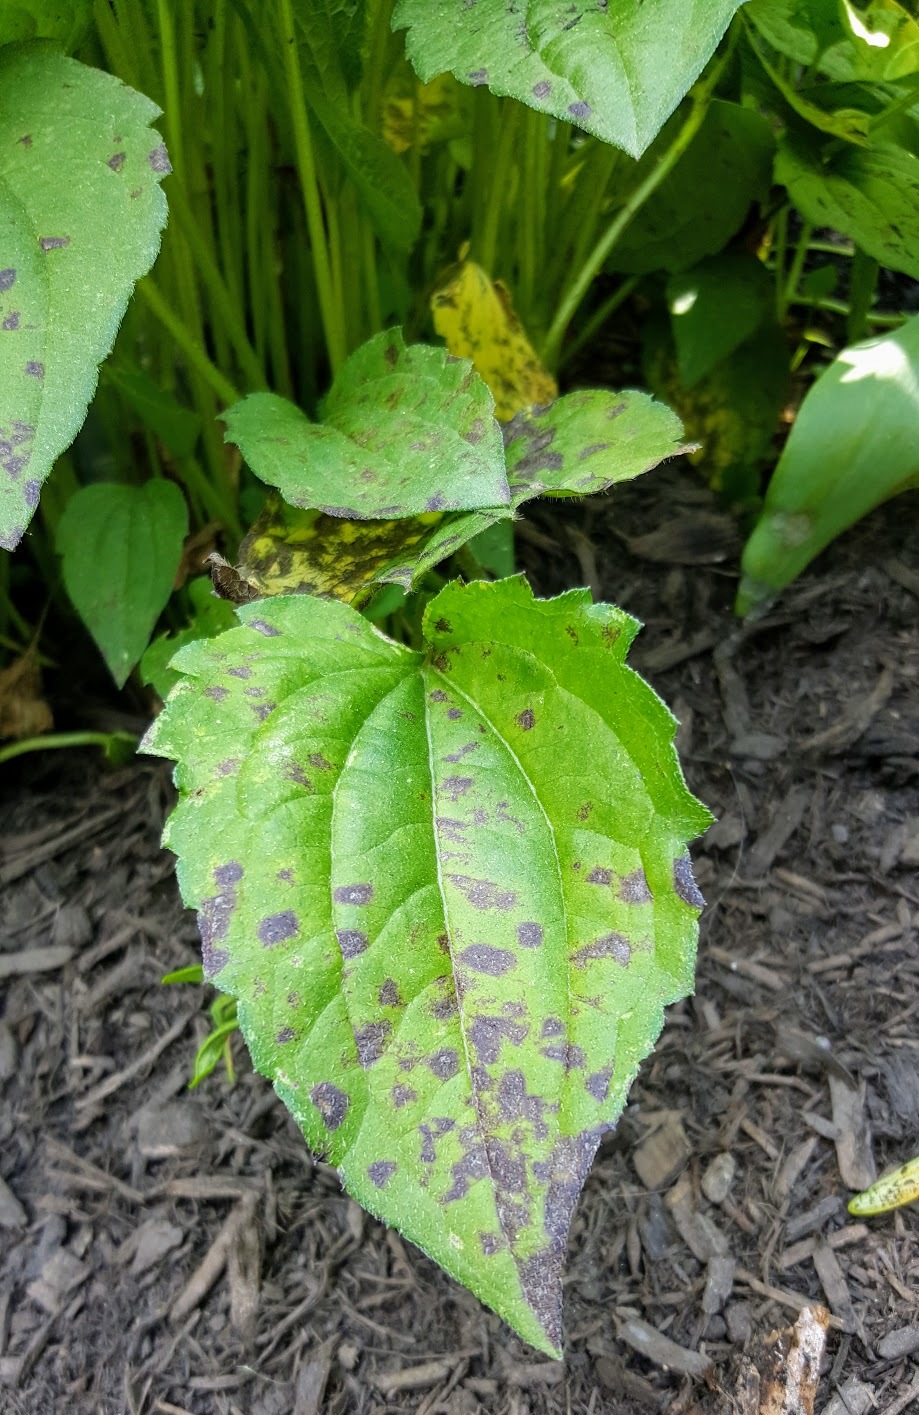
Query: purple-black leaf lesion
(278, 928)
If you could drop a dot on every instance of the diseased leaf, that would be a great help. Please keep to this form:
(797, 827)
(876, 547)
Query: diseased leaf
(705, 200)
(582, 443)
(417, 114)
(210, 616)
(587, 441)
(121, 547)
(475, 318)
(852, 446)
(715, 307)
(406, 430)
(80, 218)
(64, 21)
(869, 195)
(450, 891)
(617, 71)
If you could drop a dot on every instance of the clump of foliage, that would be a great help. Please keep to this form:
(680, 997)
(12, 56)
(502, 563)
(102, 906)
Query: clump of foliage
(435, 828)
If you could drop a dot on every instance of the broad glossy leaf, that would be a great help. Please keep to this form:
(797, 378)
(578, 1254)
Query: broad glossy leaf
(210, 616)
(705, 200)
(80, 218)
(852, 446)
(406, 430)
(451, 894)
(715, 307)
(475, 318)
(617, 71)
(64, 21)
(121, 547)
(582, 443)
(869, 195)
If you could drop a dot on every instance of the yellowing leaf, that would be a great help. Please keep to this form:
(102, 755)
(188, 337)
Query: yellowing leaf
(475, 317)
(891, 1191)
(422, 114)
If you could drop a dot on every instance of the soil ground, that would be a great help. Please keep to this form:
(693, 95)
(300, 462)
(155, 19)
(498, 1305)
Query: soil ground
(166, 1251)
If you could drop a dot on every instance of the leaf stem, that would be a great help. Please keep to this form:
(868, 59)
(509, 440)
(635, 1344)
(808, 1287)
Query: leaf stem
(106, 740)
(187, 342)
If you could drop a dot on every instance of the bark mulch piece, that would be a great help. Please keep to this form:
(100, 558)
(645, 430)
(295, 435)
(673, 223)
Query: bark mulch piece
(167, 1251)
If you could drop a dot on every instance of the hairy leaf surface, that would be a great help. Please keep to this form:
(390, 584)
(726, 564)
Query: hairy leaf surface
(121, 547)
(406, 430)
(616, 70)
(81, 212)
(450, 891)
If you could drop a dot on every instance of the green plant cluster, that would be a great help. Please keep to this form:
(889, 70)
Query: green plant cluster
(441, 870)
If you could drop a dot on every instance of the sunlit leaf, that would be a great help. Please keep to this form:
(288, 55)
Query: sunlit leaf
(451, 894)
(878, 41)
(617, 71)
(714, 308)
(852, 446)
(475, 318)
(121, 547)
(405, 431)
(80, 217)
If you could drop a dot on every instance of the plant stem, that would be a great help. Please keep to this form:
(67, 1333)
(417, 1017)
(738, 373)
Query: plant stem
(63, 740)
(485, 249)
(306, 167)
(599, 317)
(797, 267)
(191, 348)
(863, 280)
(572, 297)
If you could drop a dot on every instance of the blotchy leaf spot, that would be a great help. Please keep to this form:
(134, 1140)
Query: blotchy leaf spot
(530, 935)
(278, 928)
(484, 893)
(611, 945)
(351, 942)
(380, 1172)
(331, 1103)
(484, 958)
(353, 894)
(685, 884)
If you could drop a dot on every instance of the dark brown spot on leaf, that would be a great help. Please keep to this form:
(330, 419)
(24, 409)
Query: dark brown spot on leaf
(403, 1095)
(7, 279)
(485, 958)
(609, 946)
(11, 322)
(444, 1063)
(351, 942)
(553, 1027)
(483, 893)
(456, 786)
(463, 752)
(53, 243)
(159, 160)
(580, 110)
(318, 762)
(542, 89)
(633, 889)
(277, 928)
(380, 1172)
(216, 692)
(685, 885)
(35, 369)
(230, 873)
(530, 935)
(526, 720)
(117, 161)
(487, 1033)
(438, 696)
(389, 995)
(490, 1243)
(597, 1085)
(571, 1057)
(285, 1035)
(353, 894)
(261, 626)
(331, 1103)
(371, 1041)
(600, 876)
(241, 671)
(478, 77)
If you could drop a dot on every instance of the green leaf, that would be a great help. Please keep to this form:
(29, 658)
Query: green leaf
(870, 195)
(383, 182)
(707, 197)
(64, 21)
(210, 616)
(80, 218)
(406, 430)
(714, 308)
(176, 426)
(617, 71)
(585, 442)
(852, 446)
(333, 32)
(121, 547)
(582, 443)
(877, 41)
(451, 894)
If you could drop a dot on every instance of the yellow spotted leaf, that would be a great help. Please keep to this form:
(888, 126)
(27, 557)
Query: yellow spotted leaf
(891, 1191)
(475, 317)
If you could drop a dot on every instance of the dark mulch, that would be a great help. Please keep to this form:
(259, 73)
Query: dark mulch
(715, 1212)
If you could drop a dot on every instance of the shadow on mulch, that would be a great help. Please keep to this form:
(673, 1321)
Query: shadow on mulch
(168, 1252)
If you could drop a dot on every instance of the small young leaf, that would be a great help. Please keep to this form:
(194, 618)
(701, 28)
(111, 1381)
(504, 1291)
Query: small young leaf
(121, 547)
(852, 446)
(705, 200)
(210, 616)
(616, 70)
(406, 430)
(451, 893)
(80, 218)
(64, 21)
(714, 307)
(475, 318)
(870, 195)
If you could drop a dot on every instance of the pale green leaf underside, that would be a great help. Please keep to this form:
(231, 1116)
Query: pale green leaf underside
(616, 70)
(81, 212)
(121, 547)
(404, 431)
(451, 893)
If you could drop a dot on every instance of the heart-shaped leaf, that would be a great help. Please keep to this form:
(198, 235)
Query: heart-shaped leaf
(121, 547)
(451, 894)
(616, 70)
(81, 212)
(405, 431)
